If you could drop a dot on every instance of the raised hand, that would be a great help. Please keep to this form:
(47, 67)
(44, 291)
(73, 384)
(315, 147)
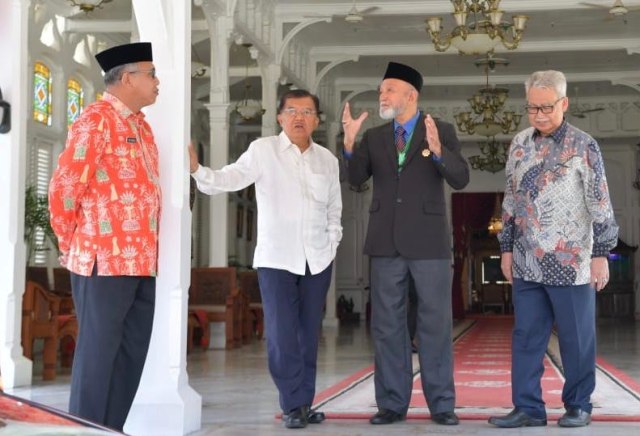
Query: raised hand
(433, 140)
(351, 127)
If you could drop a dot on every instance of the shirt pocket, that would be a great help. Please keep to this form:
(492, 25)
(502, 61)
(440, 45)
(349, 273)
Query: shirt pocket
(121, 160)
(319, 188)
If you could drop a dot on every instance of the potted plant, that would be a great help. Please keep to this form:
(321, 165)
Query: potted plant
(37, 228)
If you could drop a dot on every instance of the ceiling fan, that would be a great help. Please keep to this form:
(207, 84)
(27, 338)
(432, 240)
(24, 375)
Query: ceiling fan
(355, 16)
(618, 8)
(577, 112)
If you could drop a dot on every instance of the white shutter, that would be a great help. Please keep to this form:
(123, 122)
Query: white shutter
(39, 176)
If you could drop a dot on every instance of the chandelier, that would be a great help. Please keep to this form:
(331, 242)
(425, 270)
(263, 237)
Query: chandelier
(87, 6)
(492, 157)
(247, 108)
(495, 222)
(485, 117)
(483, 33)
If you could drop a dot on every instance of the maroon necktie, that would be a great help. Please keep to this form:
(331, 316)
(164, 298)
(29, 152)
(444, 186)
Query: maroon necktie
(400, 142)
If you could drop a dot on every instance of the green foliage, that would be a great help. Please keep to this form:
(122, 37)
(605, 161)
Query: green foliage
(36, 217)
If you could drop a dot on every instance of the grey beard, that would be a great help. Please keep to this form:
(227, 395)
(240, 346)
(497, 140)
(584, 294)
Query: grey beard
(388, 113)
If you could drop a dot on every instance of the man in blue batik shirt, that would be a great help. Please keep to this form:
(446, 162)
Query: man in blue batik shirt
(558, 229)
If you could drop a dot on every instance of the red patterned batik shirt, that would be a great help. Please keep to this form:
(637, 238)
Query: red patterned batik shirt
(104, 197)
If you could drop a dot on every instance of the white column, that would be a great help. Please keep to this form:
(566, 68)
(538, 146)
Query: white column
(333, 128)
(330, 319)
(218, 204)
(270, 79)
(219, 136)
(165, 403)
(15, 369)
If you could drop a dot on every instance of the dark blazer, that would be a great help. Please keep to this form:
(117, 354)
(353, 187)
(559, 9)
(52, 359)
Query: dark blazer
(407, 216)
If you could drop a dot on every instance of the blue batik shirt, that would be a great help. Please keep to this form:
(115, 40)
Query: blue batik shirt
(556, 212)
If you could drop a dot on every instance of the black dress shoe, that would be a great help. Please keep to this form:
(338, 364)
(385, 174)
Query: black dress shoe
(297, 418)
(575, 417)
(386, 416)
(445, 418)
(517, 418)
(313, 416)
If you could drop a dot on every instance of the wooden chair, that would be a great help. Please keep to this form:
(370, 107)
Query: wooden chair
(62, 288)
(197, 329)
(215, 291)
(247, 317)
(62, 280)
(248, 281)
(39, 275)
(67, 336)
(40, 309)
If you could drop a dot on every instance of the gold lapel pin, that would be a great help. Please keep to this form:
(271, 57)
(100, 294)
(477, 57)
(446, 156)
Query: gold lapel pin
(426, 152)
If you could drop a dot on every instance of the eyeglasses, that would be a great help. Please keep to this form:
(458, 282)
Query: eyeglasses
(545, 109)
(151, 73)
(292, 112)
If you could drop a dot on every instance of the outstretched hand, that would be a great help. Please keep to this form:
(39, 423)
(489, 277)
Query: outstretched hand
(193, 158)
(351, 127)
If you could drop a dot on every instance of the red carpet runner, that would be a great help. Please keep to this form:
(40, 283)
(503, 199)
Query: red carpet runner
(482, 355)
(20, 416)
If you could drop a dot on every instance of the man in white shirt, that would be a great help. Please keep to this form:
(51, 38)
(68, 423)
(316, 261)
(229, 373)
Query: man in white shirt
(299, 207)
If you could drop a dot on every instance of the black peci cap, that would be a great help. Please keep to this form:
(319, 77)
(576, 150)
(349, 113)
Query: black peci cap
(404, 73)
(124, 54)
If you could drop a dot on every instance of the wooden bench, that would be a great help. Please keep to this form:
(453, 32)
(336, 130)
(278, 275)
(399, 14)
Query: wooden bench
(248, 282)
(40, 309)
(215, 291)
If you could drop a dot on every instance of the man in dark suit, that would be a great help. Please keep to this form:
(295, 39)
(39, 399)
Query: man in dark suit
(410, 159)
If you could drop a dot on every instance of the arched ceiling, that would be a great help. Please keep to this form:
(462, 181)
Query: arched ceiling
(599, 53)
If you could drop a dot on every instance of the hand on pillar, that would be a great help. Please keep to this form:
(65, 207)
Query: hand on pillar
(193, 158)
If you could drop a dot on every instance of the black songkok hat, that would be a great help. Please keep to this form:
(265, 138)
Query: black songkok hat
(404, 73)
(124, 54)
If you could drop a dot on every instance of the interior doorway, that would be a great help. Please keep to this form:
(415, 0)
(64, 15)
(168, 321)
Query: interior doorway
(475, 250)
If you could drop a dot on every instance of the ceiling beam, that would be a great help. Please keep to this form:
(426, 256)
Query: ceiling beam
(300, 9)
(320, 53)
(74, 25)
(497, 79)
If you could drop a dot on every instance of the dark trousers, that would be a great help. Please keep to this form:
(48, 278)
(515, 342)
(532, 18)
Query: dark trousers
(536, 307)
(390, 278)
(293, 308)
(412, 310)
(115, 318)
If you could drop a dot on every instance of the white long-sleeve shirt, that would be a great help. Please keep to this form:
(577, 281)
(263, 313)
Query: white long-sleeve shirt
(299, 201)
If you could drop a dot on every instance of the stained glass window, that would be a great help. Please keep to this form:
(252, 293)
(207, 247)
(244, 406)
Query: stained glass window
(75, 100)
(42, 94)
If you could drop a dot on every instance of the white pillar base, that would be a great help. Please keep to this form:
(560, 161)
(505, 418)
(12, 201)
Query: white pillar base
(165, 411)
(330, 322)
(16, 372)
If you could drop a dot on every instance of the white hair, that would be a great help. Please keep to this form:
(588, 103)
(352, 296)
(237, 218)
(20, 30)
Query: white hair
(549, 79)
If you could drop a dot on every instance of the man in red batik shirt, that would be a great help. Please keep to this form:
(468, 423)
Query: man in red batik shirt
(104, 200)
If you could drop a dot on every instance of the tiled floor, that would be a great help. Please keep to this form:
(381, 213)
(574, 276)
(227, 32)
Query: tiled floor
(239, 398)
